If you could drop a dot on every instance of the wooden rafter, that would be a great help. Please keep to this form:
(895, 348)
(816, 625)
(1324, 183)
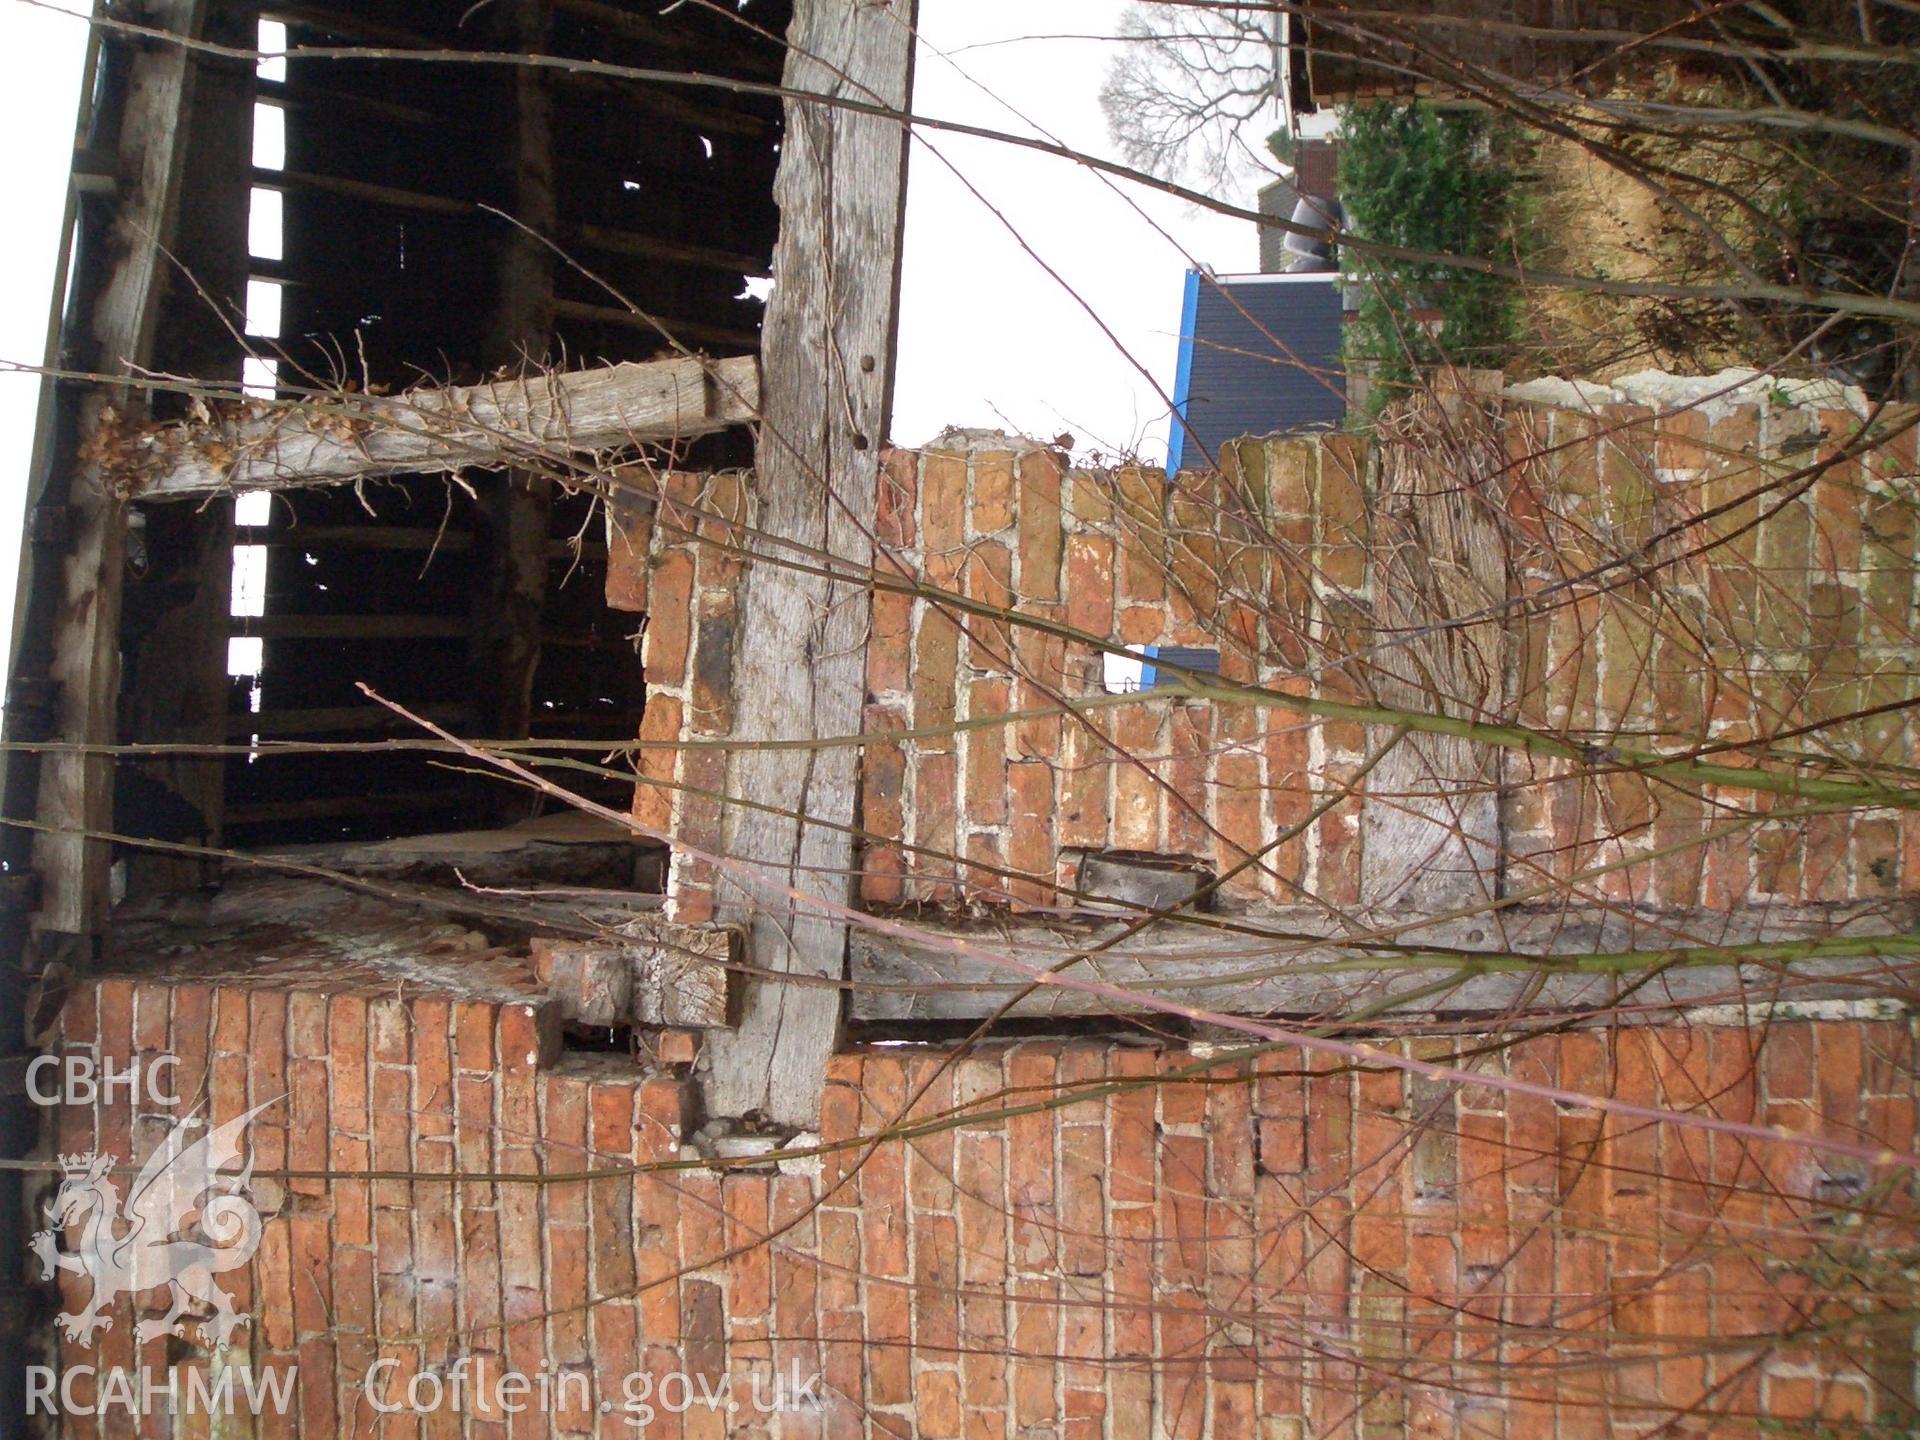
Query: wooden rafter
(262, 445)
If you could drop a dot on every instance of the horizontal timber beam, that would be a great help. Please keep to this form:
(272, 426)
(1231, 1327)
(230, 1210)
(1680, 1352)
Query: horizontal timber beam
(1532, 961)
(687, 332)
(339, 719)
(279, 445)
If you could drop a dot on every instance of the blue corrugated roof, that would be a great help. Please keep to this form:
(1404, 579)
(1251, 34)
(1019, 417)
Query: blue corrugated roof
(1258, 354)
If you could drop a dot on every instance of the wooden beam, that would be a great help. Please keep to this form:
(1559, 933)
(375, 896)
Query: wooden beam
(363, 537)
(644, 971)
(696, 115)
(341, 720)
(354, 627)
(647, 247)
(268, 445)
(663, 35)
(515, 507)
(318, 807)
(76, 790)
(1243, 974)
(800, 667)
(687, 332)
(390, 195)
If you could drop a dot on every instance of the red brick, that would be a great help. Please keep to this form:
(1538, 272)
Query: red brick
(992, 493)
(936, 663)
(663, 652)
(653, 796)
(750, 1263)
(629, 538)
(529, 1040)
(1137, 791)
(307, 1145)
(935, 823)
(347, 1067)
(473, 1023)
(1090, 585)
(943, 503)
(986, 754)
(899, 484)
(151, 1024)
(676, 1047)
(1036, 1328)
(889, 642)
(1033, 850)
(432, 1066)
(989, 581)
(1041, 539)
(883, 779)
(1042, 662)
(1031, 1073)
(1085, 775)
(936, 1276)
(937, 1404)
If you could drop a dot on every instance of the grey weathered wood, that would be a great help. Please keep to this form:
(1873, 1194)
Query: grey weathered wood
(646, 969)
(339, 719)
(267, 445)
(1432, 818)
(176, 687)
(76, 790)
(518, 504)
(799, 668)
(895, 979)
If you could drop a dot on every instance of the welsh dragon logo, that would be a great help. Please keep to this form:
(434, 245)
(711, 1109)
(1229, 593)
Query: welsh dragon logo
(183, 1223)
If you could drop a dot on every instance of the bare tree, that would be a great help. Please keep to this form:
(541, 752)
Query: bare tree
(1186, 86)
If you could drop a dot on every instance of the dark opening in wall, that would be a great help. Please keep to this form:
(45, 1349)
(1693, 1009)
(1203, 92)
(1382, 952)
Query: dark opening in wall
(371, 215)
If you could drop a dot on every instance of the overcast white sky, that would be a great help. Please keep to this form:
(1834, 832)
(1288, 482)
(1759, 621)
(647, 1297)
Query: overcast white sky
(987, 338)
(39, 96)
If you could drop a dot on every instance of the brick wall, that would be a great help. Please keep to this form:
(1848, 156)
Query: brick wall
(1131, 559)
(1802, 612)
(1247, 1249)
(1793, 606)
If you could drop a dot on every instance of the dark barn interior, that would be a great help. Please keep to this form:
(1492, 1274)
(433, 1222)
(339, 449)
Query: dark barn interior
(394, 263)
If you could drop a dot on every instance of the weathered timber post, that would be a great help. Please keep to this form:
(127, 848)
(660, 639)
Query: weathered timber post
(800, 670)
(83, 667)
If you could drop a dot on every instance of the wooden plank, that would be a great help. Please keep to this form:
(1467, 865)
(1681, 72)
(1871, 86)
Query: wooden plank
(389, 195)
(341, 720)
(76, 790)
(267, 445)
(686, 332)
(363, 537)
(800, 668)
(645, 970)
(318, 807)
(352, 627)
(1253, 975)
(648, 247)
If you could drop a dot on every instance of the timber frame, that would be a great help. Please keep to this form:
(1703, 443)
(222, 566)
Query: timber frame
(121, 462)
